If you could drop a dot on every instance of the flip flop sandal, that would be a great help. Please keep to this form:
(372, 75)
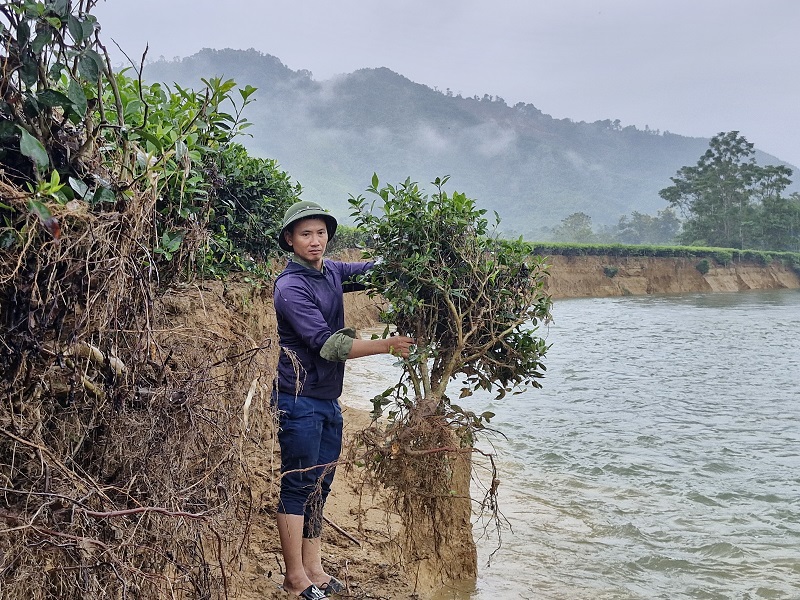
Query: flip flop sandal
(312, 592)
(334, 586)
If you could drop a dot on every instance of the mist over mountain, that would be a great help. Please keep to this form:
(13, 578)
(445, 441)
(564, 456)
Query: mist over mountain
(534, 170)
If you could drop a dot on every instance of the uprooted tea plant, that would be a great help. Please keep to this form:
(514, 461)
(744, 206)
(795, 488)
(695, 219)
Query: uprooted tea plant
(473, 303)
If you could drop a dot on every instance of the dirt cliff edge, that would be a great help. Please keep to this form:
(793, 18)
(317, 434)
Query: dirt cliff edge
(602, 276)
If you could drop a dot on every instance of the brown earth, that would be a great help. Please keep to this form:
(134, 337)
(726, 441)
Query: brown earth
(360, 540)
(585, 276)
(357, 541)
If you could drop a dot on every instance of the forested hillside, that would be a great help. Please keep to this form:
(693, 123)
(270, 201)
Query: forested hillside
(532, 169)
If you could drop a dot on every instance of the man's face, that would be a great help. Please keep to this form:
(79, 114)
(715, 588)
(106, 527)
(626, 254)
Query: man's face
(308, 239)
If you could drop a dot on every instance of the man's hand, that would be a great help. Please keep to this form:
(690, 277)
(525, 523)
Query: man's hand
(399, 345)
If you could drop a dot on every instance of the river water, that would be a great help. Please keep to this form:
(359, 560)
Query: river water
(661, 459)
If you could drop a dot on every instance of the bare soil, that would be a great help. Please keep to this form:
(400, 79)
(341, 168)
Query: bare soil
(358, 545)
(585, 276)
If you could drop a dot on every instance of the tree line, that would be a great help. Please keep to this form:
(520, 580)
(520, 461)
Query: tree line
(726, 200)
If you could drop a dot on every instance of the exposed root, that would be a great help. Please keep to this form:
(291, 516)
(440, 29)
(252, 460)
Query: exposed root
(426, 471)
(123, 442)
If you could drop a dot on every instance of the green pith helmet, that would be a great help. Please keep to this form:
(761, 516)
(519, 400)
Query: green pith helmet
(303, 210)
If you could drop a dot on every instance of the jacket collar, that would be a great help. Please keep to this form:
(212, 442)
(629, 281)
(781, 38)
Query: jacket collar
(296, 259)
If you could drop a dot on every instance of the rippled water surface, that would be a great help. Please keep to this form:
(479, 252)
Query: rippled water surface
(661, 459)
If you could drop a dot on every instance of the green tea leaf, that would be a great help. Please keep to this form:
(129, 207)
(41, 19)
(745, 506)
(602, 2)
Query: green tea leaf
(41, 40)
(89, 68)
(23, 34)
(103, 194)
(48, 221)
(7, 130)
(29, 71)
(33, 149)
(52, 98)
(152, 139)
(40, 210)
(132, 108)
(181, 150)
(55, 71)
(75, 28)
(77, 97)
(88, 26)
(59, 7)
(78, 186)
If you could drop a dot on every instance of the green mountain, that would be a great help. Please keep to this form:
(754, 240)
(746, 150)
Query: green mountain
(534, 170)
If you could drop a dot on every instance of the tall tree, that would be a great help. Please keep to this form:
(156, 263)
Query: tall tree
(778, 225)
(723, 196)
(577, 227)
(640, 228)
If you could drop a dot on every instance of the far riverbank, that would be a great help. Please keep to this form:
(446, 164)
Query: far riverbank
(604, 276)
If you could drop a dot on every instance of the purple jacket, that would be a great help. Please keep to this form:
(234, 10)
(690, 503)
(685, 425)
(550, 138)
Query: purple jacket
(309, 306)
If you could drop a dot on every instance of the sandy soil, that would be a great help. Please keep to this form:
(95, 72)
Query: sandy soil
(357, 545)
(585, 276)
(356, 538)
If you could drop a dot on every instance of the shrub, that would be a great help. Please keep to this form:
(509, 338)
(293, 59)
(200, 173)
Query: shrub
(121, 443)
(793, 262)
(703, 266)
(348, 238)
(610, 272)
(249, 196)
(723, 257)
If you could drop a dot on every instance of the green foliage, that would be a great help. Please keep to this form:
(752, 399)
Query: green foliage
(640, 228)
(610, 272)
(636, 229)
(793, 262)
(576, 228)
(169, 244)
(348, 238)
(730, 201)
(723, 257)
(250, 198)
(72, 129)
(108, 190)
(472, 301)
(51, 70)
(206, 180)
(565, 249)
(778, 225)
(703, 266)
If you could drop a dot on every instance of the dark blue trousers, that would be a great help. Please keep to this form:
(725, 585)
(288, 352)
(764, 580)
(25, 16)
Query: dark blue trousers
(310, 438)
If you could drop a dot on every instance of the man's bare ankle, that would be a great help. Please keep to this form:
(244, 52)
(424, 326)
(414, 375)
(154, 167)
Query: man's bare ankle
(296, 585)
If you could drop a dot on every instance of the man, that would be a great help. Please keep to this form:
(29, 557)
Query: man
(314, 344)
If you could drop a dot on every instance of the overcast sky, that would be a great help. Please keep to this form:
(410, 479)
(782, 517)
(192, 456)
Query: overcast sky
(691, 67)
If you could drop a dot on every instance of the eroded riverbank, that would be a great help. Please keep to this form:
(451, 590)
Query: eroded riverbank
(605, 276)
